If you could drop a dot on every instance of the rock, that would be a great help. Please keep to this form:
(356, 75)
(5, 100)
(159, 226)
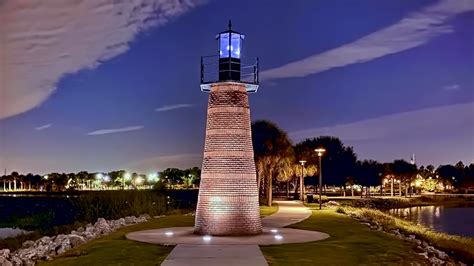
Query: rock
(80, 229)
(16, 261)
(131, 220)
(89, 236)
(121, 222)
(5, 262)
(44, 240)
(27, 254)
(101, 227)
(436, 261)
(417, 242)
(5, 253)
(441, 254)
(28, 244)
(411, 237)
(28, 263)
(424, 244)
(76, 240)
(424, 254)
(65, 246)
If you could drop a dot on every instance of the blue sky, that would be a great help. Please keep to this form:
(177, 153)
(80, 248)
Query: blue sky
(116, 86)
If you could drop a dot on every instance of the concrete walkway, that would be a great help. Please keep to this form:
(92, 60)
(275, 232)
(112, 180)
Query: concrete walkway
(219, 251)
(289, 212)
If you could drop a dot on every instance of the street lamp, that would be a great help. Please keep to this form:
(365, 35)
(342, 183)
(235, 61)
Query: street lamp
(301, 180)
(320, 152)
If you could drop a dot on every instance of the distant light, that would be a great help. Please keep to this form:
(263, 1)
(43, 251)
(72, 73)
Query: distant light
(107, 178)
(169, 233)
(139, 180)
(152, 177)
(207, 238)
(274, 231)
(45, 177)
(278, 237)
(99, 176)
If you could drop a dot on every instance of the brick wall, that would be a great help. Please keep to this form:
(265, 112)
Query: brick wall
(228, 196)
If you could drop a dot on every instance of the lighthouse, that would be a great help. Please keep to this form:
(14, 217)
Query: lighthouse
(228, 194)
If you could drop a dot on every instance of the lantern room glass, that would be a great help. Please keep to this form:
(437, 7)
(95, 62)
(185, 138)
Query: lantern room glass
(232, 48)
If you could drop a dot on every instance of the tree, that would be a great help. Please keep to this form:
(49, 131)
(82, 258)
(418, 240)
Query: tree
(272, 150)
(369, 173)
(338, 161)
(405, 172)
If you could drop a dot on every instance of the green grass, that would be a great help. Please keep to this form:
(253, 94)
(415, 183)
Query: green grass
(351, 243)
(266, 211)
(461, 247)
(114, 249)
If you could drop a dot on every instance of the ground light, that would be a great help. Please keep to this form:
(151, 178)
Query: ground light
(278, 237)
(274, 230)
(207, 238)
(169, 233)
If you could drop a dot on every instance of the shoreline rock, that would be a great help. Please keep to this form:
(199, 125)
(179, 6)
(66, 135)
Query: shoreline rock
(46, 248)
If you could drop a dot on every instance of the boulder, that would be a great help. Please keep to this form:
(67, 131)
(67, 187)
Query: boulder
(5, 262)
(131, 220)
(27, 254)
(80, 229)
(16, 260)
(436, 261)
(101, 226)
(65, 246)
(45, 240)
(28, 244)
(76, 240)
(5, 253)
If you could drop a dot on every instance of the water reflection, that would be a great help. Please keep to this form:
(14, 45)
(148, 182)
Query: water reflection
(456, 220)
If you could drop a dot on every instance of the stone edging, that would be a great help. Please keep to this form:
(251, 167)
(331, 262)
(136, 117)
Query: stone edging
(46, 248)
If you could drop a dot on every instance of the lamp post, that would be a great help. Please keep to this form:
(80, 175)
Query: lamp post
(320, 152)
(301, 180)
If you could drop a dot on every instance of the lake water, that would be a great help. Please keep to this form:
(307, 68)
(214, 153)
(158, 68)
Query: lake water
(455, 220)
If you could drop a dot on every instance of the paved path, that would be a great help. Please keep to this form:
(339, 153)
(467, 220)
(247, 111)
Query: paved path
(289, 212)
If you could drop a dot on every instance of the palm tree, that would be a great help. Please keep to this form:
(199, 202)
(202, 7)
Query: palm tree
(271, 148)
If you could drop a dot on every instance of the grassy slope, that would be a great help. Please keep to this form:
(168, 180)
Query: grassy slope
(114, 249)
(351, 243)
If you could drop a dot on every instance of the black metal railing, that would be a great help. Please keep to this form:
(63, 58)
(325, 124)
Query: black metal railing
(215, 70)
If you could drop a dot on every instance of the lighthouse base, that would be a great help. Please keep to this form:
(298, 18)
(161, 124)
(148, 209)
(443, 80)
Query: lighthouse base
(228, 194)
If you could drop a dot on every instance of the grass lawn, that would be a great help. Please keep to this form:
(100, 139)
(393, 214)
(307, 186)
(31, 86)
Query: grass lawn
(114, 249)
(265, 210)
(351, 243)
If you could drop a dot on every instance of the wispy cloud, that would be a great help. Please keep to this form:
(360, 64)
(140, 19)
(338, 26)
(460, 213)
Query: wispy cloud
(173, 107)
(43, 127)
(114, 130)
(420, 123)
(452, 87)
(40, 41)
(437, 135)
(412, 31)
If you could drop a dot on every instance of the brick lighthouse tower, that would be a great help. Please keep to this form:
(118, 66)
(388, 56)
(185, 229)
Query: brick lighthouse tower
(228, 194)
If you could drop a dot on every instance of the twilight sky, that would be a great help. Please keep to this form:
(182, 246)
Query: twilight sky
(104, 85)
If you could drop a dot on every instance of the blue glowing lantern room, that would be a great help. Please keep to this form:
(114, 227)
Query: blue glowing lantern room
(231, 64)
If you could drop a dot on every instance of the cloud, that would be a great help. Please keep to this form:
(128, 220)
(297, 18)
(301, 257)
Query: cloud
(412, 31)
(42, 41)
(43, 127)
(166, 161)
(173, 107)
(114, 130)
(420, 123)
(437, 135)
(452, 87)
